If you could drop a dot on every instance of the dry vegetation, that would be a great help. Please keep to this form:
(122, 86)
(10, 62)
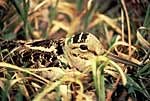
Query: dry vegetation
(122, 25)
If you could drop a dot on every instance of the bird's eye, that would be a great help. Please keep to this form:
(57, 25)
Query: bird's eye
(83, 47)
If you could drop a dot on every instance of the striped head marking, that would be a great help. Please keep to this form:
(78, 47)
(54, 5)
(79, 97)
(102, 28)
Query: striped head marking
(82, 47)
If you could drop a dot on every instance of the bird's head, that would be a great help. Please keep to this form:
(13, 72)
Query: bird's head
(82, 47)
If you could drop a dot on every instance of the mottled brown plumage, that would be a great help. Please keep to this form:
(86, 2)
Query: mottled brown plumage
(77, 50)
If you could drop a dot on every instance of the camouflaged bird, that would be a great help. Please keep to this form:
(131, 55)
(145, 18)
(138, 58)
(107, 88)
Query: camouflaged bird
(77, 50)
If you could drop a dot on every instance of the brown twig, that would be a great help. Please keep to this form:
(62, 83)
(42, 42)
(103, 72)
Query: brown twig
(109, 94)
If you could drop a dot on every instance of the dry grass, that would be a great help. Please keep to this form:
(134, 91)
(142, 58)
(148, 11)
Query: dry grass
(123, 27)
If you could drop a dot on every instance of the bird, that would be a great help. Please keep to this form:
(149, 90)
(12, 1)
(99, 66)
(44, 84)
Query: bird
(77, 50)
